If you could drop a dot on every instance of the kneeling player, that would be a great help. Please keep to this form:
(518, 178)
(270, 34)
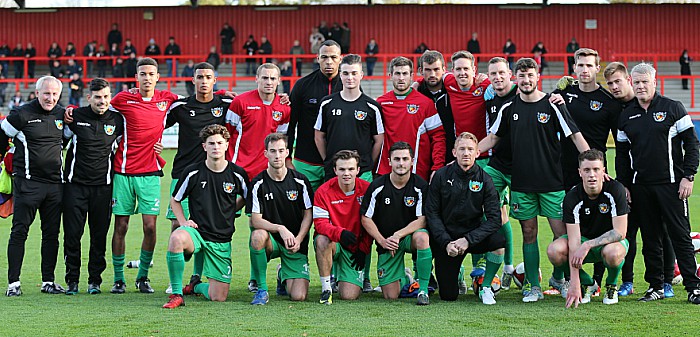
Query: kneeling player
(340, 240)
(392, 213)
(280, 207)
(216, 189)
(459, 198)
(595, 213)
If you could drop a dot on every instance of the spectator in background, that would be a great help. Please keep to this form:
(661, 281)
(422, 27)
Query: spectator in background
(265, 49)
(4, 52)
(76, 89)
(114, 50)
(172, 49)
(228, 36)
(297, 49)
(324, 30)
(336, 33)
(685, 67)
(422, 47)
(372, 49)
(315, 39)
(188, 72)
(152, 49)
(124, 87)
(538, 52)
(473, 44)
(251, 47)
(118, 72)
(571, 48)
(70, 50)
(114, 36)
(30, 53)
(19, 64)
(130, 69)
(286, 71)
(213, 58)
(128, 48)
(31, 97)
(53, 53)
(55, 69)
(102, 63)
(16, 100)
(508, 50)
(90, 50)
(345, 41)
(72, 68)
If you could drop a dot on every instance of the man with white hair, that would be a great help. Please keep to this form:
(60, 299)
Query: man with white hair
(656, 160)
(37, 129)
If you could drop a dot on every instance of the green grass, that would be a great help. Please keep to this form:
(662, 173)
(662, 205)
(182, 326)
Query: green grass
(135, 314)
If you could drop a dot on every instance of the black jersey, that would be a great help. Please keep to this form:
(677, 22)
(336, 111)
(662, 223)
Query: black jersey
(93, 140)
(595, 114)
(444, 109)
(212, 198)
(192, 116)
(38, 137)
(502, 153)
(534, 130)
(306, 97)
(391, 208)
(595, 215)
(350, 126)
(282, 202)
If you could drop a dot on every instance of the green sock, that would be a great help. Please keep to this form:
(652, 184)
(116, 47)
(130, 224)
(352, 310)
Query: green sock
(475, 259)
(613, 273)
(146, 258)
(460, 276)
(198, 263)
(531, 255)
(202, 289)
(558, 272)
(368, 261)
(424, 261)
(507, 231)
(259, 267)
(118, 263)
(176, 266)
(586, 279)
(493, 263)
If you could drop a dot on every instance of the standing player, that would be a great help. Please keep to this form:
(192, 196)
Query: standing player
(432, 67)
(534, 125)
(340, 239)
(93, 135)
(306, 98)
(657, 159)
(463, 217)
(595, 213)
(138, 169)
(412, 118)
(392, 213)
(280, 206)
(217, 189)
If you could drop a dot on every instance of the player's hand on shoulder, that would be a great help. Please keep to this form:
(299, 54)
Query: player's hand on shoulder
(133, 90)
(284, 99)
(556, 99)
(190, 223)
(230, 94)
(68, 115)
(480, 77)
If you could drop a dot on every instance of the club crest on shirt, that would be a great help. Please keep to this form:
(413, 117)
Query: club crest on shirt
(59, 124)
(277, 116)
(543, 117)
(603, 207)
(412, 108)
(475, 186)
(516, 207)
(595, 105)
(162, 106)
(217, 112)
(292, 195)
(409, 201)
(109, 129)
(360, 115)
(114, 202)
(359, 200)
(228, 187)
(478, 92)
(660, 116)
(381, 272)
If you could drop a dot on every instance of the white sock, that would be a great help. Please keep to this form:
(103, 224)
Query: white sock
(325, 283)
(508, 269)
(14, 284)
(45, 283)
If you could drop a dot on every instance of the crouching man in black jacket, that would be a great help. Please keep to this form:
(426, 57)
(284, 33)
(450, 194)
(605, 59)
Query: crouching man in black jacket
(459, 198)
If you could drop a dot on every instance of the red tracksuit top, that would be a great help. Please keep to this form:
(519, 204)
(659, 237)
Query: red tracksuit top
(334, 211)
(468, 107)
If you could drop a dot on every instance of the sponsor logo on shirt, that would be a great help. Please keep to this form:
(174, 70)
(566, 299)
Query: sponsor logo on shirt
(478, 92)
(253, 108)
(83, 124)
(412, 108)
(453, 88)
(162, 106)
(571, 95)
(360, 115)
(387, 103)
(475, 186)
(313, 100)
(277, 116)
(292, 195)
(132, 102)
(109, 129)
(635, 116)
(335, 202)
(409, 201)
(217, 112)
(228, 187)
(59, 124)
(595, 105)
(603, 208)
(660, 116)
(34, 121)
(543, 117)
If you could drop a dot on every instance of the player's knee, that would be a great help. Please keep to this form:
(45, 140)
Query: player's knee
(217, 297)
(177, 241)
(258, 238)
(349, 296)
(322, 243)
(499, 251)
(557, 252)
(121, 227)
(298, 295)
(421, 240)
(149, 230)
(389, 295)
(614, 255)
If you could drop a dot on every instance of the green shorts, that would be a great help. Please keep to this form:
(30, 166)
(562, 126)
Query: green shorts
(367, 176)
(294, 265)
(391, 268)
(217, 256)
(130, 189)
(483, 162)
(525, 206)
(185, 203)
(344, 272)
(314, 173)
(596, 253)
(501, 181)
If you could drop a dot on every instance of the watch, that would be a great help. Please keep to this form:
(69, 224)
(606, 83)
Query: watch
(690, 178)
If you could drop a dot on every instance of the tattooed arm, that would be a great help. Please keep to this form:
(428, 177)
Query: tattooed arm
(614, 235)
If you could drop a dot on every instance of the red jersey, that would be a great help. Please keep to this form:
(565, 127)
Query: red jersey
(334, 211)
(144, 122)
(468, 107)
(412, 119)
(249, 121)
